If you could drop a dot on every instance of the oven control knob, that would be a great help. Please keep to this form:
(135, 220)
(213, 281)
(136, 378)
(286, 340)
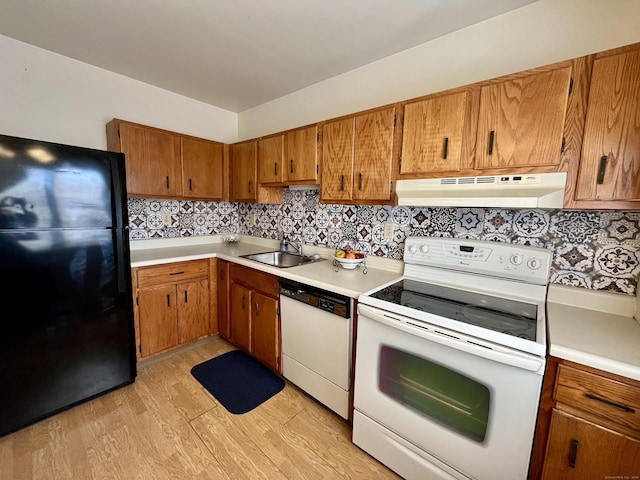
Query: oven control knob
(413, 249)
(424, 248)
(516, 259)
(534, 263)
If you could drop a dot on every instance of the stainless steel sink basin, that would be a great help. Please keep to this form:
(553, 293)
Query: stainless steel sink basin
(280, 259)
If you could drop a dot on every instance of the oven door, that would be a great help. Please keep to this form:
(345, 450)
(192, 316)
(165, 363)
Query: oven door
(470, 404)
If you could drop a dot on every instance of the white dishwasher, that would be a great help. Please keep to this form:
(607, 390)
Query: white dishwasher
(316, 343)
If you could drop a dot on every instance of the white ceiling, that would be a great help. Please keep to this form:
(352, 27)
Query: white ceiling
(237, 54)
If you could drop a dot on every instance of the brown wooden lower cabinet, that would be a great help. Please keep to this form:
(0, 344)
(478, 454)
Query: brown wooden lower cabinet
(579, 450)
(172, 305)
(588, 426)
(253, 313)
(222, 296)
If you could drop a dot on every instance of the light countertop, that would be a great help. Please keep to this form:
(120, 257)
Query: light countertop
(319, 274)
(594, 328)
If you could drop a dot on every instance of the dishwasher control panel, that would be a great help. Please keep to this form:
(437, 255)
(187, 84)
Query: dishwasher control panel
(316, 297)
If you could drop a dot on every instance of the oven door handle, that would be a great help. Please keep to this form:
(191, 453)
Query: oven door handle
(451, 339)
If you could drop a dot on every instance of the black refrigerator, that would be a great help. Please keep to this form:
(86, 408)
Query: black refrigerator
(66, 318)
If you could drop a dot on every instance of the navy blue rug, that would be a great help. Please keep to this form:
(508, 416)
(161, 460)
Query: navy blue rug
(239, 382)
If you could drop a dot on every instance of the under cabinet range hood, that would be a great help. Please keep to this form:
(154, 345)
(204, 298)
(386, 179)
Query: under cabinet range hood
(540, 190)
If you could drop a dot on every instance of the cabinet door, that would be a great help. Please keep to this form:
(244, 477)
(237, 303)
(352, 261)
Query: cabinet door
(271, 159)
(578, 449)
(224, 326)
(373, 155)
(521, 121)
(152, 160)
(202, 169)
(432, 134)
(338, 140)
(266, 337)
(240, 316)
(610, 164)
(158, 319)
(243, 171)
(302, 155)
(193, 310)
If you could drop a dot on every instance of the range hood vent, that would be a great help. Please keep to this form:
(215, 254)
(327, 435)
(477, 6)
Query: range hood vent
(541, 190)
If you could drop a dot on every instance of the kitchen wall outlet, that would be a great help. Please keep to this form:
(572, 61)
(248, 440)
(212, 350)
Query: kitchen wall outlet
(166, 219)
(388, 230)
(254, 220)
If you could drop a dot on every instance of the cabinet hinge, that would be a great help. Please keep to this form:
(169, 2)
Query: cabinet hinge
(570, 85)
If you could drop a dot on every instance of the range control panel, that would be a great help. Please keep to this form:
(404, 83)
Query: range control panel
(518, 262)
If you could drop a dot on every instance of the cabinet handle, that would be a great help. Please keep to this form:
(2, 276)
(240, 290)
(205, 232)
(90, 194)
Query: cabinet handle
(360, 181)
(176, 273)
(621, 406)
(243, 302)
(168, 301)
(291, 165)
(250, 186)
(342, 182)
(446, 148)
(602, 169)
(257, 309)
(167, 177)
(492, 136)
(275, 168)
(190, 185)
(573, 453)
(186, 297)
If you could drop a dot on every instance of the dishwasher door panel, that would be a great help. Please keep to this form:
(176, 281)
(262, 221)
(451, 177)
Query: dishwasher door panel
(316, 339)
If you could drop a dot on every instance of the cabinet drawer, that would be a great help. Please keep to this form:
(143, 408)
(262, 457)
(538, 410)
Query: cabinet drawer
(172, 273)
(604, 397)
(254, 279)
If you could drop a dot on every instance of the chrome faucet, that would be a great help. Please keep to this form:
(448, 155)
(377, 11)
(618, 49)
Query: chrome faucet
(297, 247)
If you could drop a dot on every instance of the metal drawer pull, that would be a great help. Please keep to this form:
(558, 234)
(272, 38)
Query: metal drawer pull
(176, 273)
(573, 453)
(602, 170)
(360, 181)
(492, 136)
(446, 148)
(190, 185)
(275, 168)
(167, 182)
(257, 309)
(186, 298)
(342, 182)
(168, 301)
(291, 162)
(609, 402)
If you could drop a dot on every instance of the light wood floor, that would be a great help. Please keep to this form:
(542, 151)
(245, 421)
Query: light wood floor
(166, 426)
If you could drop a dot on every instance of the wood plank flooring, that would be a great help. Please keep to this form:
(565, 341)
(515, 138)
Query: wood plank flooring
(167, 426)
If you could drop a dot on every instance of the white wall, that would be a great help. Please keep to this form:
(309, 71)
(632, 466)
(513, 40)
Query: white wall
(50, 97)
(544, 32)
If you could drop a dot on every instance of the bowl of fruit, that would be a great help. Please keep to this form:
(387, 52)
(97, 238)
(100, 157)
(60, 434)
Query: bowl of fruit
(349, 257)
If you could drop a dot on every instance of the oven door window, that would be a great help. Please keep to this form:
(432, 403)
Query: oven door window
(444, 395)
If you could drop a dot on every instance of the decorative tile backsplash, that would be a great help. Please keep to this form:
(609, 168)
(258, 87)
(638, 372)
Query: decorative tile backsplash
(591, 249)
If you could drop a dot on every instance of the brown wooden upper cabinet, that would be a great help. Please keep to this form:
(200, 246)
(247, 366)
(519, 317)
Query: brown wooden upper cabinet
(244, 175)
(160, 163)
(289, 158)
(521, 120)
(244, 158)
(271, 160)
(202, 170)
(610, 164)
(433, 134)
(357, 157)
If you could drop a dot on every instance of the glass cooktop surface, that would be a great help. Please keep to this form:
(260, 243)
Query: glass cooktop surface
(492, 312)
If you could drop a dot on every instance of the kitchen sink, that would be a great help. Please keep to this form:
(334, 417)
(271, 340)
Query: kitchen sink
(280, 259)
